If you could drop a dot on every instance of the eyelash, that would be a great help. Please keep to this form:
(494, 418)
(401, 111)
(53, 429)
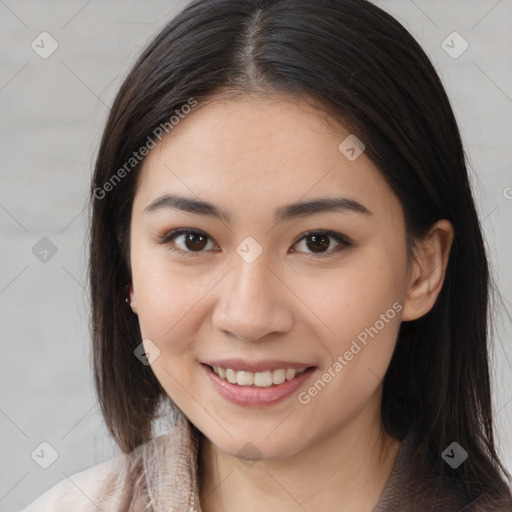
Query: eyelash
(167, 238)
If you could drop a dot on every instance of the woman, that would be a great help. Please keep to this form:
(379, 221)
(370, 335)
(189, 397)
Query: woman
(285, 250)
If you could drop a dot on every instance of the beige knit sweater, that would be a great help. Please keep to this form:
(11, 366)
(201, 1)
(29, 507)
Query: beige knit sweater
(160, 476)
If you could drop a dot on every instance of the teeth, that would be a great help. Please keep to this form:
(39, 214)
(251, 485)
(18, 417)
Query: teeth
(263, 379)
(244, 378)
(258, 379)
(278, 376)
(231, 375)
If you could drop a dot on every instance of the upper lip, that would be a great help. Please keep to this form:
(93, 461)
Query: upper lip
(256, 366)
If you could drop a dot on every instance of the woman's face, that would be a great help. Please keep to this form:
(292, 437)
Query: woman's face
(268, 286)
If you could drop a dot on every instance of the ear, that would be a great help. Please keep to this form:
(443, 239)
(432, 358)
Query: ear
(428, 270)
(133, 301)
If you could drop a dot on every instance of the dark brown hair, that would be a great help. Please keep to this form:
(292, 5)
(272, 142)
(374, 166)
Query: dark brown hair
(367, 71)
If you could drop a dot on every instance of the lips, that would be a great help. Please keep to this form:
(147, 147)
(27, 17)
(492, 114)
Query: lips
(257, 395)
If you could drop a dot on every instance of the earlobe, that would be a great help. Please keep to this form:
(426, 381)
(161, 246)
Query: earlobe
(133, 302)
(428, 270)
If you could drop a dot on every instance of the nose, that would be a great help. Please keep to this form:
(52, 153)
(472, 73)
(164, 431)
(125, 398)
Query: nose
(254, 302)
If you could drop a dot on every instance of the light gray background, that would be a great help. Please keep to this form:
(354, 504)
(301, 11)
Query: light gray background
(52, 113)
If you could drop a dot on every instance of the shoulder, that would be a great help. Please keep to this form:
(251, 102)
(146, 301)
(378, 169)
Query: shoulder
(86, 490)
(129, 481)
(411, 488)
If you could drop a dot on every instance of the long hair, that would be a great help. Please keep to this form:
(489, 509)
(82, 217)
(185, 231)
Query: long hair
(364, 69)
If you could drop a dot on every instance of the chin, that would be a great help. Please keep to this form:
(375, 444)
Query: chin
(252, 448)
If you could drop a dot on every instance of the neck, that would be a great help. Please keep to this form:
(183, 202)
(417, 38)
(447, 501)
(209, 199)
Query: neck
(346, 471)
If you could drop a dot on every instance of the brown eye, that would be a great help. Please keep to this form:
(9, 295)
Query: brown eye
(318, 242)
(191, 242)
(186, 241)
(195, 241)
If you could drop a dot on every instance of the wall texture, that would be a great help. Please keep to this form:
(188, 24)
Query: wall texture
(53, 106)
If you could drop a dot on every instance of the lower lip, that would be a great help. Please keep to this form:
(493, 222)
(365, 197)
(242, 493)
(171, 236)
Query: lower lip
(251, 395)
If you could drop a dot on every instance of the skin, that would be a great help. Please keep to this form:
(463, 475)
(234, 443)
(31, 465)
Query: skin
(249, 156)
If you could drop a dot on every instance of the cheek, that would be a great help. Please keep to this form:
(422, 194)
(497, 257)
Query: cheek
(364, 312)
(165, 296)
(362, 304)
(168, 301)
(353, 297)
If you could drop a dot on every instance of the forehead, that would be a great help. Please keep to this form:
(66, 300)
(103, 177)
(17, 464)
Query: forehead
(257, 153)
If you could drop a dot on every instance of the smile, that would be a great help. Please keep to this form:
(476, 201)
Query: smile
(262, 379)
(261, 388)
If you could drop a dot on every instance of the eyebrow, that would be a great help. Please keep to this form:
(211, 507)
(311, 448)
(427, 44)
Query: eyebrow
(287, 212)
